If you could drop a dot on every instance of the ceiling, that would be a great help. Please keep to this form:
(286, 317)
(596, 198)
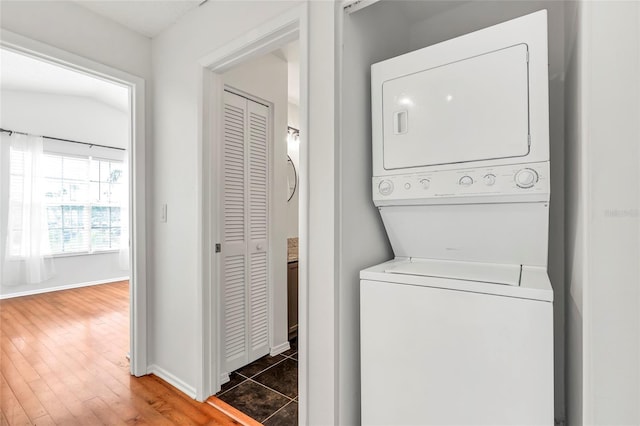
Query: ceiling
(151, 17)
(24, 73)
(147, 17)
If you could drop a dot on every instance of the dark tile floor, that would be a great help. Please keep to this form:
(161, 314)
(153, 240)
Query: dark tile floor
(266, 389)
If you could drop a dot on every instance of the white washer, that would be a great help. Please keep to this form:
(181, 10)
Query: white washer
(458, 328)
(456, 351)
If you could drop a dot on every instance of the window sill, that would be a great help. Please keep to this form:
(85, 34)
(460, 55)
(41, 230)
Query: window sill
(55, 256)
(62, 255)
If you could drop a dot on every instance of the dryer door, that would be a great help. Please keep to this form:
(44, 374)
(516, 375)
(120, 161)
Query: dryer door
(469, 110)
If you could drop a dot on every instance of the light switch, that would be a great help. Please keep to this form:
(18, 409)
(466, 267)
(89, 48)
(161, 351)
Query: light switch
(163, 213)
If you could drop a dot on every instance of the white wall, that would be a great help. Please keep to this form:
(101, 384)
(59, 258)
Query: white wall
(575, 220)
(69, 117)
(76, 118)
(370, 35)
(610, 113)
(319, 357)
(603, 187)
(75, 29)
(293, 120)
(266, 78)
(177, 90)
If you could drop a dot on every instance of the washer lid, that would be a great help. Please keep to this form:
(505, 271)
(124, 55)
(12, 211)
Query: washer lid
(470, 271)
(472, 277)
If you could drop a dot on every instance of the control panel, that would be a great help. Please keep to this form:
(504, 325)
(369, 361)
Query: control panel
(485, 182)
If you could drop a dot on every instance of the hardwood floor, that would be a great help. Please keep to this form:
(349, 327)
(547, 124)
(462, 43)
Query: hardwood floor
(63, 362)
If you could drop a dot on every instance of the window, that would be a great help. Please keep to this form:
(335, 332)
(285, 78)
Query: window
(83, 197)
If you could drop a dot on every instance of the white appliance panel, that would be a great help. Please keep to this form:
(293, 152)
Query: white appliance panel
(508, 233)
(527, 182)
(473, 109)
(432, 356)
(498, 112)
(533, 284)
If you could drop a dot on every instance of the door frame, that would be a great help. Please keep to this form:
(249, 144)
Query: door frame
(289, 26)
(137, 170)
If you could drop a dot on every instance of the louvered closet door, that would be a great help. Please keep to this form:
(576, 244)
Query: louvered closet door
(244, 262)
(258, 128)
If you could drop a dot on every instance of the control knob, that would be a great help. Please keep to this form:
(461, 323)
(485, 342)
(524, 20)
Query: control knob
(466, 181)
(490, 179)
(385, 187)
(526, 178)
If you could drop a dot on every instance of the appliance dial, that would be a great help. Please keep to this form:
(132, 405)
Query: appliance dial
(466, 181)
(385, 187)
(425, 183)
(490, 179)
(526, 178)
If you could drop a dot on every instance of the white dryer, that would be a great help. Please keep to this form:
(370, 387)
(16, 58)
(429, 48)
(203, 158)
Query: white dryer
(458, 328)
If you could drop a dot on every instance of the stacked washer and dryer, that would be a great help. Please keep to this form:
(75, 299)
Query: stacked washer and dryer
(458, 327)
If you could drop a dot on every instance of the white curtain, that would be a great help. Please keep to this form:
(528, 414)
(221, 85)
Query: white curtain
(124, 216)
(27, 250)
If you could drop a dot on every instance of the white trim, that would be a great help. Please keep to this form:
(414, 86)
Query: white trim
(225, 378)
(207, 203)
(277, 350)
(584, 45)
(279, 31)
(303, 221)
(257, 42)
(61, 287)
(137, 172)
(638, 118)
(172, 380)
(233, 416)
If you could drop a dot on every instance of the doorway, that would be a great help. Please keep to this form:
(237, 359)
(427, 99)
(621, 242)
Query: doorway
(253, 260)
(271, 37)
(134, 163)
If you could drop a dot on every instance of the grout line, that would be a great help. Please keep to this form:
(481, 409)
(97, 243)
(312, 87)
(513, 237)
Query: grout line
(233, 387)
(278, 410)
(249, 377)
(285, 357)
(262, 371)
(279, 393)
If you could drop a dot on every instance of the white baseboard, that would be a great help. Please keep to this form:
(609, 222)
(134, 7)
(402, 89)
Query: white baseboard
(224, 378)
(59, 288)
(172, 380)
(276, 350)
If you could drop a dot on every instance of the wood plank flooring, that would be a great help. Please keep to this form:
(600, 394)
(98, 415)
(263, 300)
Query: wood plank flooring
(63, 362)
